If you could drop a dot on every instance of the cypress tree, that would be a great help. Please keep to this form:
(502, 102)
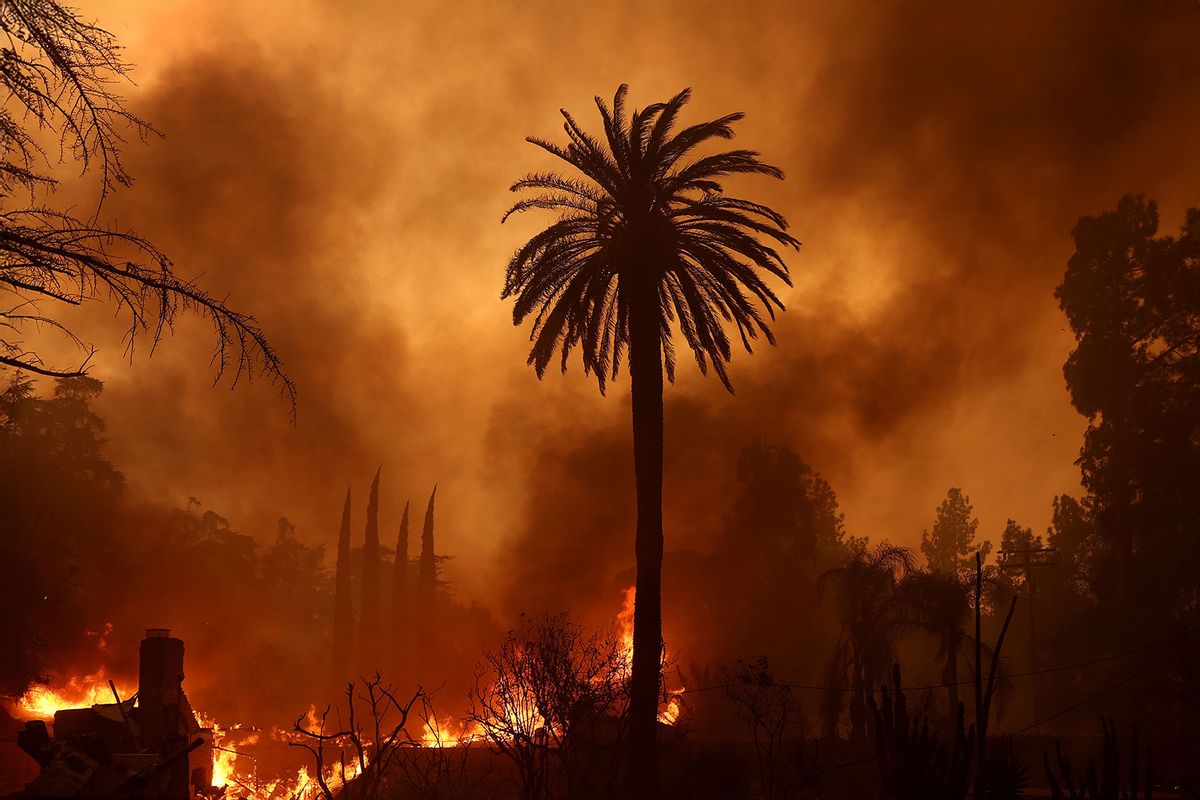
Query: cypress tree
(343, 614)
(400, 630)
(427, 576)
(368, 632)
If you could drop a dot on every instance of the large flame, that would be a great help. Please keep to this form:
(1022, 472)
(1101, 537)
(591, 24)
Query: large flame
(672, 708)
(83, 691)
(41, 702)
(450, 733)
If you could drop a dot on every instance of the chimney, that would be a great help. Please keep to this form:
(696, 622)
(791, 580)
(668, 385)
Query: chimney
(161, 704)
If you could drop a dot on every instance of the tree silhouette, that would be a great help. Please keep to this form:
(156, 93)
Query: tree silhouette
(950, 545)
(58, 74)
(343, 612)
(1133, 301)
(368, 624)
(786, 509)
(400, 618)
(645, 242)
(871, 611)
(940, 605)
(427, 578)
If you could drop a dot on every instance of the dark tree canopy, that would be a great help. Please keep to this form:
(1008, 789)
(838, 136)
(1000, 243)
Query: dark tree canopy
(58, 71)
(1133, 300)
(950, 545)
(644, 211)
(786, 509)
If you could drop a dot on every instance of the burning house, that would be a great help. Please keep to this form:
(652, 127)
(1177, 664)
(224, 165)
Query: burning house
(149, 745)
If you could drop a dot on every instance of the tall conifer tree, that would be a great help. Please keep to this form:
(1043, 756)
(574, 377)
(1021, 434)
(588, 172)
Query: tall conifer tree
(368, 634)
(427, 577)
(343, 613)
(400, 625)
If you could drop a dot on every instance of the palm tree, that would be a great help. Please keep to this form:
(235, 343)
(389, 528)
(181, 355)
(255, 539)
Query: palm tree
(870, 608)
(646, 241)
(939, 604)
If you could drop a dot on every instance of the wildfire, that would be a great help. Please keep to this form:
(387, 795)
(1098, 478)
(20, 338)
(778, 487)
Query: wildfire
(668, 715)
(40, 702)
(229, 765)
(449, 733)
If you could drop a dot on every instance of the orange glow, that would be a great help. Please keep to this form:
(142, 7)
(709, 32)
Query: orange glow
(669, 715)
(449, 733)
(40, 702)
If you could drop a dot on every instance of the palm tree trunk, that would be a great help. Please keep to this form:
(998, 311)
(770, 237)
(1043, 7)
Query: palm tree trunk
(645, 367)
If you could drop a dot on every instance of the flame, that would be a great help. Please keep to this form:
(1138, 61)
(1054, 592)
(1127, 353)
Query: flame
(40, 702)
(449, 733)
(668, 715)
(228, 769)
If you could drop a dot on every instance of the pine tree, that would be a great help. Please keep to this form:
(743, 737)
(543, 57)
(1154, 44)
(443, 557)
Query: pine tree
(400, 624)
(950, 547)
(368, 637)
(343, 614)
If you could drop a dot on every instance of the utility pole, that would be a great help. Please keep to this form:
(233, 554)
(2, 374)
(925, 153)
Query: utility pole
(1025, 561)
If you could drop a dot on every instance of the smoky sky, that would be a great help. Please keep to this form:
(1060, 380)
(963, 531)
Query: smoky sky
(340, 171)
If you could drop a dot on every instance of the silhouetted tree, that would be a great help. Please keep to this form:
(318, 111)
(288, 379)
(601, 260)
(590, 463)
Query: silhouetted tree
(59, 504)
(427, 576)
(871, 613)
(939, 604)
(950, 546)
(400, 617)
(343, 610)
(1133, 301)
(553, 699)
(774, 719)
(1072, 534)
(368, 625)
(786, 510)
(58, 75)
(645, 241)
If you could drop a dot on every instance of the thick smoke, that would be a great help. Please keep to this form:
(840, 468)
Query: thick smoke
(342, 178)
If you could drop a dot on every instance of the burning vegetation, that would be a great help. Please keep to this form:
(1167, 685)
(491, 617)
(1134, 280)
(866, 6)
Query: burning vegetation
(755, 643)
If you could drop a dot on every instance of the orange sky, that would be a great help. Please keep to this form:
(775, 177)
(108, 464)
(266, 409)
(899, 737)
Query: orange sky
(340, 169)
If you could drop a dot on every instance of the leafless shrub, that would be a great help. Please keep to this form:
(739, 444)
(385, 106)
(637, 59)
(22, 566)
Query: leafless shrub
(773, 718)
(374, 740)
(553, 700)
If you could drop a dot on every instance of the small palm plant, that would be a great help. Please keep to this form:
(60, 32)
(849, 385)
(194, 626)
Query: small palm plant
(870, 608)
(646, 242)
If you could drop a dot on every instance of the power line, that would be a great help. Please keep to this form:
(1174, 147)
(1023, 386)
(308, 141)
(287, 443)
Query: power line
(1060, 668)
(1096, 696)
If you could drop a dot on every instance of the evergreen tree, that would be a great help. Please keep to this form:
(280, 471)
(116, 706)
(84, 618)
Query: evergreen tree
(950, 547)
(368, 631)
(427, 577)
(343, 613)
(1133, 301)
(786, 509)
(1072, 534)
(400, 623)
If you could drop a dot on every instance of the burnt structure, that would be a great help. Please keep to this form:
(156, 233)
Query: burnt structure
(148, 746)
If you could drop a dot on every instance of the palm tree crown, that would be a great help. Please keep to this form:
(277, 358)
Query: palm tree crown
(644, 212)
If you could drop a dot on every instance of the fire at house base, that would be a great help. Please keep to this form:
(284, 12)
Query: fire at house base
(147, 745)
